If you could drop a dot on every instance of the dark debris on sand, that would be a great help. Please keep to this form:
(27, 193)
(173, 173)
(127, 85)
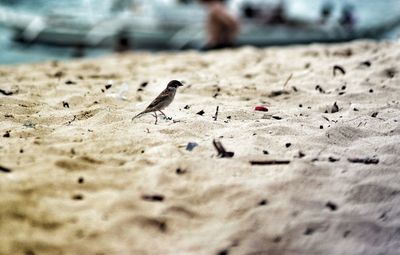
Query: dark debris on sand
(269, 162)
(58, 74)
(320, 89)
(7, 134)
(332, 206)
(390, 72)
(366, 63)
(278, 93)
(180, 171)
(222, 153)
(5, 169)
(8, 92)
(301, 154)
(335, 108)
(77, 197)
(366, 161)
(69, 82)
(263, 202)
(153, 198)
(332, 159)
(338, 68)
(216, 114)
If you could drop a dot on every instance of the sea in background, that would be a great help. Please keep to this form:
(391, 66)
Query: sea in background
(369, 13)
(15, 53)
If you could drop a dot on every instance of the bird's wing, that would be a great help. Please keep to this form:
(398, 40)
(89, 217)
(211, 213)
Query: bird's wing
(163, 96)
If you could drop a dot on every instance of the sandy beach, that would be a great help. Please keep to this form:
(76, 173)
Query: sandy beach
(318, 173)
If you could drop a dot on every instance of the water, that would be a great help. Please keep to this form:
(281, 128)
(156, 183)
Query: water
(15, 53)
(370, 12)
(48, 6)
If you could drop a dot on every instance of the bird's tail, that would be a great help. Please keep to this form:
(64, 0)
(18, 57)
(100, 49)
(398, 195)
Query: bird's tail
(139, 115)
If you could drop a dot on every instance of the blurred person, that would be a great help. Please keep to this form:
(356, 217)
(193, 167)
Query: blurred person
(348, 18)
(269, 13)
(222, 27)
(249, 11)
(78, 51)
(326, 12)
(122, 42)
(278, 15)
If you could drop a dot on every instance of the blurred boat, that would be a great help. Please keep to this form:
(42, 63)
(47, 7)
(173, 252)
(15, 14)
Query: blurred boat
(161, 27)
(141, 30)
(286, 34)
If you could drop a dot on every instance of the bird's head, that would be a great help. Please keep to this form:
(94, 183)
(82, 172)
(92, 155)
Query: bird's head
(174, 84)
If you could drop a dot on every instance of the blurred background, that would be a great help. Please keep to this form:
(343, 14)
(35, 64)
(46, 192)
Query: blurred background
(37, 30)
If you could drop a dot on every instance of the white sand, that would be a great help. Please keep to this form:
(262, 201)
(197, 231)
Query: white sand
(212, 205)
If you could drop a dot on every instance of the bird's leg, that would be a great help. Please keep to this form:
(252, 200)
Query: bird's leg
(165, 116)
(155, 115)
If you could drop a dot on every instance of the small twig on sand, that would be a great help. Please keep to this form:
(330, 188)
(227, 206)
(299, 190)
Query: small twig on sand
(325, 118)
(153, 198)
(278, 93)
(6, 93)
(5, 169)
(222, 153)
(270, 162)
(338, 68)
(287, 80)
(216, 114)
(366, 161)
(69, 122)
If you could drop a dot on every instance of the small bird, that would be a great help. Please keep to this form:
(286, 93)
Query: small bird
(162, 101)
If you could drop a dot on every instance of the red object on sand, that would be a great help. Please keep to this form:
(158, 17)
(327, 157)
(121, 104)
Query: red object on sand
(261, 108)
